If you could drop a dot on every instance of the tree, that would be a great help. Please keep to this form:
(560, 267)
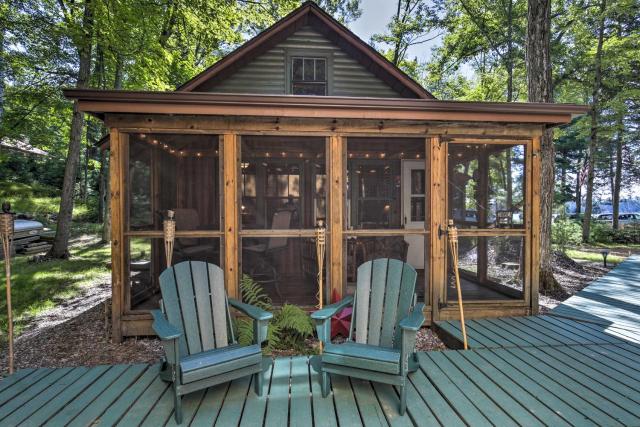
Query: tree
(410, 26)
(595, 110)
(538, 60)
(83, 41)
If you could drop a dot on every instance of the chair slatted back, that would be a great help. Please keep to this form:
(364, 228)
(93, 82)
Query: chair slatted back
(194, 301)
(384, 295)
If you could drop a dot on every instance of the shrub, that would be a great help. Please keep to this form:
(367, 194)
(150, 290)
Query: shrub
(289, 328)
(604, 233)
(565, 233)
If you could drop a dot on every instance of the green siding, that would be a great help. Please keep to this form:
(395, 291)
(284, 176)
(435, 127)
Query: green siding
(266, 73)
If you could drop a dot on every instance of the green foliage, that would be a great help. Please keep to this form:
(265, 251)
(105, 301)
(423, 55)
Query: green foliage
(604, 233)
(565, 233)
(289, 328)
(293, 326)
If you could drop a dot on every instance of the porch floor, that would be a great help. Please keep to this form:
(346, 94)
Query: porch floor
(537, 370)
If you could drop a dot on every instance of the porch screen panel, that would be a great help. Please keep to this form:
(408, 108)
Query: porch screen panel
(283, 184)
(177, 172)
(487, 202)
(386, 205)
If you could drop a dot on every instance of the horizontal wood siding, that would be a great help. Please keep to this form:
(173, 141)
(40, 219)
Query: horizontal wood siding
(266, 74)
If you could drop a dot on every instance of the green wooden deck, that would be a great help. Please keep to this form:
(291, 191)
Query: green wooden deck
(555, 370)
(605, 312)
(554, 386)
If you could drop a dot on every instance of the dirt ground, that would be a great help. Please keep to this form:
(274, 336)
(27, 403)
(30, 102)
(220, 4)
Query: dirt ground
(74, 333)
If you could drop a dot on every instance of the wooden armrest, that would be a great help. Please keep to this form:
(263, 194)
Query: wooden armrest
(414, 320)
(165, 330)
(331, 310)
(250, 310)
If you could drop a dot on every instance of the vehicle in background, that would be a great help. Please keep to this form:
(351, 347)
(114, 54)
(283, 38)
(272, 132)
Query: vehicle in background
(624, 219)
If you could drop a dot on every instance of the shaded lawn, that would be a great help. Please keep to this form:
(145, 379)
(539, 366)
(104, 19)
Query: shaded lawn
(38, 286)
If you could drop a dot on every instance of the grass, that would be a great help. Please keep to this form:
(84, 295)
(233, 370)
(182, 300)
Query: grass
(593, 256)
(37, 200)
(36, 287)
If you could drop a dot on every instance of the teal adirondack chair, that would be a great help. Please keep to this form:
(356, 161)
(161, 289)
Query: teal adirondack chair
(194, 325)
(384, 323)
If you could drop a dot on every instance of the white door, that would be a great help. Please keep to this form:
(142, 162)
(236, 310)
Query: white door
(413, 208)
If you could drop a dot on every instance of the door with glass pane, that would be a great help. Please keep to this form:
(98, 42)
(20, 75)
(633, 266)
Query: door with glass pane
(413, 209)
(487, 203)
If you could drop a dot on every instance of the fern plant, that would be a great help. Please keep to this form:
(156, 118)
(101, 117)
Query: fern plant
(288, 329)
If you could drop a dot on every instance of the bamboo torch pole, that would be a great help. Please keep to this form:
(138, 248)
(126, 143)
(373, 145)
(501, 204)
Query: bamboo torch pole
(6, 235)
(169, 228)
(453, 246)
(321, 236)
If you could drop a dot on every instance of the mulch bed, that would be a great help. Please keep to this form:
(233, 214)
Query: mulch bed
(75, 332)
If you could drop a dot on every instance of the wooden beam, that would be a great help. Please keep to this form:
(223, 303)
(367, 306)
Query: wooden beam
(482, 201)
(438, 221)
(337, 185)
(534, 214)
(283, 126)
(116, 177)
(231, 164)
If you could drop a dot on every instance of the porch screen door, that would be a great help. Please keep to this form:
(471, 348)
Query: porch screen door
(413, 209)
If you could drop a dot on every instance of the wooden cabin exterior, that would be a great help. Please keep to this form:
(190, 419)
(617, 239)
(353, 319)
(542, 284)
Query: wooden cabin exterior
(306, 124)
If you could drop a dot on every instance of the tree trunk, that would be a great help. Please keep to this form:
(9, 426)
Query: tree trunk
(60, 248)
(538, 59)
(593, 143)
(579, 188)
(618, 177)
(2, 70)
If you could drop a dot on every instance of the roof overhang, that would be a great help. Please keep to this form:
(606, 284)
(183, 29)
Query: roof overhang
(99, 103)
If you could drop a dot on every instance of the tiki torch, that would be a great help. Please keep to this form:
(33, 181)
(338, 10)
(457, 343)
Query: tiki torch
(321, 241)
(6, 235)
(169, 228)
(453, 246)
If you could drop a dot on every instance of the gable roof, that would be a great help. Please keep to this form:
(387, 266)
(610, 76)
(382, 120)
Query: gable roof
(311, 14)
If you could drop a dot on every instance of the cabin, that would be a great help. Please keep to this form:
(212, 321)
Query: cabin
(305, 127)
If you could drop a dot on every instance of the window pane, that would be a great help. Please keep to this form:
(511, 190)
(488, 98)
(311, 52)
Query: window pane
(487, 185)
(147, 259)
(309, 69)
(319, 89)
(491, 268)
(296, 68)
(282, 174)
(376, 196)
(321, 67)
(173, 172)
(286, 268)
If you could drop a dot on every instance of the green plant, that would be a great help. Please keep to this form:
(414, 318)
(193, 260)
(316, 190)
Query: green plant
(288, 329)
(565, 233)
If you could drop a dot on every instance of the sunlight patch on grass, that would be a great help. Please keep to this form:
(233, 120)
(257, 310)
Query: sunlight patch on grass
(37, 287)
(593, 256)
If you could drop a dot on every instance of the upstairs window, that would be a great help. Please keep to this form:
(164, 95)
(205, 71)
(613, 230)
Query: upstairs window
(308, 76)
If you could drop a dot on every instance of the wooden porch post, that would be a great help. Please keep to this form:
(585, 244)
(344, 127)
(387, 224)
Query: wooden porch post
(336, 169)
(534, 214)
(230, 155)
(116, 179)
(437, 153)
(482, 200)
